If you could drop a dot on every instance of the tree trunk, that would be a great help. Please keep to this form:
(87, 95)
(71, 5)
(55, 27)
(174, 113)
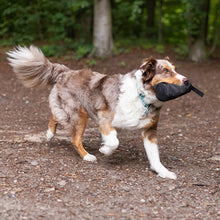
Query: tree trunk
(102, 29)
(150, 17)
(160, 22)
(197, 51)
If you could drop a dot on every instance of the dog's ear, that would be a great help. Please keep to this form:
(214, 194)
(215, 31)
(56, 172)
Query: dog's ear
(148, 68)
(168, 59)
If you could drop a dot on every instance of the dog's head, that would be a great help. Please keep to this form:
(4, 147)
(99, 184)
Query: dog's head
(161, 70)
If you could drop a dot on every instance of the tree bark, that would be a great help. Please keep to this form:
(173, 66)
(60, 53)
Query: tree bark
(102, 29)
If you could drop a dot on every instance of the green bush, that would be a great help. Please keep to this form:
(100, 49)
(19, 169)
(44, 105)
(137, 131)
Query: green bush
(67, 25)
(159, 49)
(181, 50)
(83, 51)
(41, 20)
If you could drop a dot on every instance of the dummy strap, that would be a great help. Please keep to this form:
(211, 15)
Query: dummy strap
(197, 91)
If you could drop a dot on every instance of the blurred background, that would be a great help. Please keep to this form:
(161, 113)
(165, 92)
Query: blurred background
(104, 27)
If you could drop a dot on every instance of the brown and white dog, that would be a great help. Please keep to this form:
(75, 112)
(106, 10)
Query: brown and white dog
(117, 101)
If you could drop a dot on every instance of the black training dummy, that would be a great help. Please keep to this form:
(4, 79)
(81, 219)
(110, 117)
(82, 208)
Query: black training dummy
(166, 91)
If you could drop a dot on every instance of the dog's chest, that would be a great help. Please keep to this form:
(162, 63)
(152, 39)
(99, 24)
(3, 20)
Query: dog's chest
(130, 111)
(131, 118)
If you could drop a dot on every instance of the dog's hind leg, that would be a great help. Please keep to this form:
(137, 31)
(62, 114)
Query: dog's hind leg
(51, 128)
(109, 134)
(77, 133)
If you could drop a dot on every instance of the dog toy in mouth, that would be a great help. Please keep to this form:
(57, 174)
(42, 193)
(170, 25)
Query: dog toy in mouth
(166, 91)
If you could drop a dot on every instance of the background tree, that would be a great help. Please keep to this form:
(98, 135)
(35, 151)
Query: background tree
(197, 29)
(151, 6)
(215, 25)
(102, 29)
(188, 26)
(160, 21)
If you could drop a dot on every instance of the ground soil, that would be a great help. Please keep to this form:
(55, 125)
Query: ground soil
(40, 180)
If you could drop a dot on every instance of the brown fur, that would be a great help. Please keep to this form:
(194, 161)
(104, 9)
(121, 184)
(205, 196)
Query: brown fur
(52, 124)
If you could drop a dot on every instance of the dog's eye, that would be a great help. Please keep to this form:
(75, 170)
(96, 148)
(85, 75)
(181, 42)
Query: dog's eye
(166, 70)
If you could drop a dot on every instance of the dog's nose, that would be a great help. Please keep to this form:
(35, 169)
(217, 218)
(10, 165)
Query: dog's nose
(185, 81)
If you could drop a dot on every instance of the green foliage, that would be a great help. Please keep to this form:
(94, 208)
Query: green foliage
(67, 25)
(159, 49)
(83, 51)
(80, 5)
(124, 44)
(137, 9)
(91, 62)
(123, 63)
(214, 20)
(195, 15)
(127, 18)
(80, 48)
(174, 22)
(53, 50)
(29, 21)
(181, 50)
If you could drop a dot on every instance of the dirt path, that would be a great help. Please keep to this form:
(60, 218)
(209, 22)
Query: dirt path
(40, 180)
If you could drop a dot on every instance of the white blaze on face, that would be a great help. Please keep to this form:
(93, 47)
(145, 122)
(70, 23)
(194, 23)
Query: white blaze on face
(178, 76)
(181, 78)
(166, 63)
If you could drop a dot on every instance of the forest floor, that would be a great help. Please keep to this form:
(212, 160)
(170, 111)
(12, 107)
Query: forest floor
(41, 180)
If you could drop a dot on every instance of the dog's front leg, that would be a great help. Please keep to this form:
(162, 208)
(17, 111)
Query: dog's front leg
(150, 145)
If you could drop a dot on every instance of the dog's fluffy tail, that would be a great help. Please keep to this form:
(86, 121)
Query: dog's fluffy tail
(33, 68)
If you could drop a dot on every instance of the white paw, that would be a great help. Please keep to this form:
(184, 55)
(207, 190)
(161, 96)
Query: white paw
(163, 171)
(90, 158)
(49, 135)
(167, 174)
(106, 150)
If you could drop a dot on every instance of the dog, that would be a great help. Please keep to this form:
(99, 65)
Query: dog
(115, 101)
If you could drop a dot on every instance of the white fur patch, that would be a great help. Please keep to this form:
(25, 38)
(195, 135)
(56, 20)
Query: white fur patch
(110, 142)
(154, 159)
(138, 74)
(180, 77)
(90, 158)
(106, 150)
(49, 135)
(130, 109)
